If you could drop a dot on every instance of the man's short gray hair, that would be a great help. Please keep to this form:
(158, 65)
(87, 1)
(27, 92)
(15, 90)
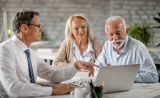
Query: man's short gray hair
(68, 33)
(114, 18)
(22, 17)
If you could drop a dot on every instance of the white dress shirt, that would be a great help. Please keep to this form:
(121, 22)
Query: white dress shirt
(86, 56)
(133, 52)
(14, 73)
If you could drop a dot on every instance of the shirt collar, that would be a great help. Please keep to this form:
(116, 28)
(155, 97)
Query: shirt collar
(90, 48)
(124, 50)
(74, 44)
(19, 43)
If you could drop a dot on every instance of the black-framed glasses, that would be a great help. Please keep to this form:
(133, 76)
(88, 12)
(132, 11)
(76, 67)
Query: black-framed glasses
(39, 26)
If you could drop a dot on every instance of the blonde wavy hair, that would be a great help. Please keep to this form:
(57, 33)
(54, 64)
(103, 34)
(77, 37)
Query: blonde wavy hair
(68, 33)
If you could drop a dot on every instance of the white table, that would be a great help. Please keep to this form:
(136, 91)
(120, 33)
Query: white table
(139, 90)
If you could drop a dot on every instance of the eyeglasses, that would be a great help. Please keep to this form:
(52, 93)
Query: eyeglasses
(83, 26)
(39, 26)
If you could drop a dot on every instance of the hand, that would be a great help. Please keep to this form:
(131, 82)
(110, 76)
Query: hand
(109, 65)
(85, 66)
(62, 89)
(99, 51)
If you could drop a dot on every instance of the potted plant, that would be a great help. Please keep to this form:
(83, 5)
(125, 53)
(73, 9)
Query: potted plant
(157, 19)
(141, 32)
(43, 36)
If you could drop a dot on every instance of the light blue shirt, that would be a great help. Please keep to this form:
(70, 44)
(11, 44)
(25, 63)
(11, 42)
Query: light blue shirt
(133, 52)
(86, 56)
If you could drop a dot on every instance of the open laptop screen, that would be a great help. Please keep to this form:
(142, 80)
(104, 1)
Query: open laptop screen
(117, 78)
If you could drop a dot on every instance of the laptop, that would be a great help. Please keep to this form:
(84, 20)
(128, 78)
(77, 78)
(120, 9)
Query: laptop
(116, 78)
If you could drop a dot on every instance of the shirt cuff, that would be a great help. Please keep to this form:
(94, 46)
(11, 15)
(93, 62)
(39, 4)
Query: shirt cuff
(47, 91)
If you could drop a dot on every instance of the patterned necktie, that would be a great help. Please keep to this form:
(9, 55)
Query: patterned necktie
(31, 75)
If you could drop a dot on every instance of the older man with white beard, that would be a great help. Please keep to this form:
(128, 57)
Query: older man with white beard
(121, 49)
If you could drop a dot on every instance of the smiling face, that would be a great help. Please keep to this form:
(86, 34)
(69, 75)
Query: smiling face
(116, 32)
(35, 29)
(79, 29)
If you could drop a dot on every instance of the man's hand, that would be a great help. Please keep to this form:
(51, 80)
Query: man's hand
(85, 66)
(62, 89)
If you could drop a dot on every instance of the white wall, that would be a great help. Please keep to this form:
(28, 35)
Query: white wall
(54, 13)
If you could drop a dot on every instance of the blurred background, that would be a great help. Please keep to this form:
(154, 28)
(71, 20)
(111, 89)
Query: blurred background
(141, 17)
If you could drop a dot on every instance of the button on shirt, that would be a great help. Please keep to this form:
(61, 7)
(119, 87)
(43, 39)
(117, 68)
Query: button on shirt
(86, 56)
(133, 52)
(14, 73)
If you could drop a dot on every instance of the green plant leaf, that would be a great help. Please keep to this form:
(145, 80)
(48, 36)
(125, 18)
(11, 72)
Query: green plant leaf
(156, 27)
(158, 13)
(157, 19)
(141, 32)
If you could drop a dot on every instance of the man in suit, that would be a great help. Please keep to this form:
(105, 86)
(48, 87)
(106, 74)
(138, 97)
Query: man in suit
(20, 66)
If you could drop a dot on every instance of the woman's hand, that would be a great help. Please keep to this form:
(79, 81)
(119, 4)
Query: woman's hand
(85, 67)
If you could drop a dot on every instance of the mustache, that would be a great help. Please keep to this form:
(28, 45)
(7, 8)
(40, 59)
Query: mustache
(115, 41)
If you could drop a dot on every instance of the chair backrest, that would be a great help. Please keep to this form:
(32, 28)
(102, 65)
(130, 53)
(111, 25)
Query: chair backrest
(158, 70)
(3, 93)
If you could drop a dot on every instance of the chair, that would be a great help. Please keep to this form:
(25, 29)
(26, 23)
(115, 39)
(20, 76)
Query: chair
(158, 70)
(3, 93)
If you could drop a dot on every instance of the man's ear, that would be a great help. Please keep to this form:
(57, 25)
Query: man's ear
(24, 28)
(106, 34)
(127, 31)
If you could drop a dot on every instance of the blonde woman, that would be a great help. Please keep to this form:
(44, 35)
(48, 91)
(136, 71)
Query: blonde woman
(79, 43)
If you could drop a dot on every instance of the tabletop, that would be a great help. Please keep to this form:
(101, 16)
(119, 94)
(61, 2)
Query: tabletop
(139, 90)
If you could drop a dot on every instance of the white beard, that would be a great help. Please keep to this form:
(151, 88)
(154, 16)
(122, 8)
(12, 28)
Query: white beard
(117, 46)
